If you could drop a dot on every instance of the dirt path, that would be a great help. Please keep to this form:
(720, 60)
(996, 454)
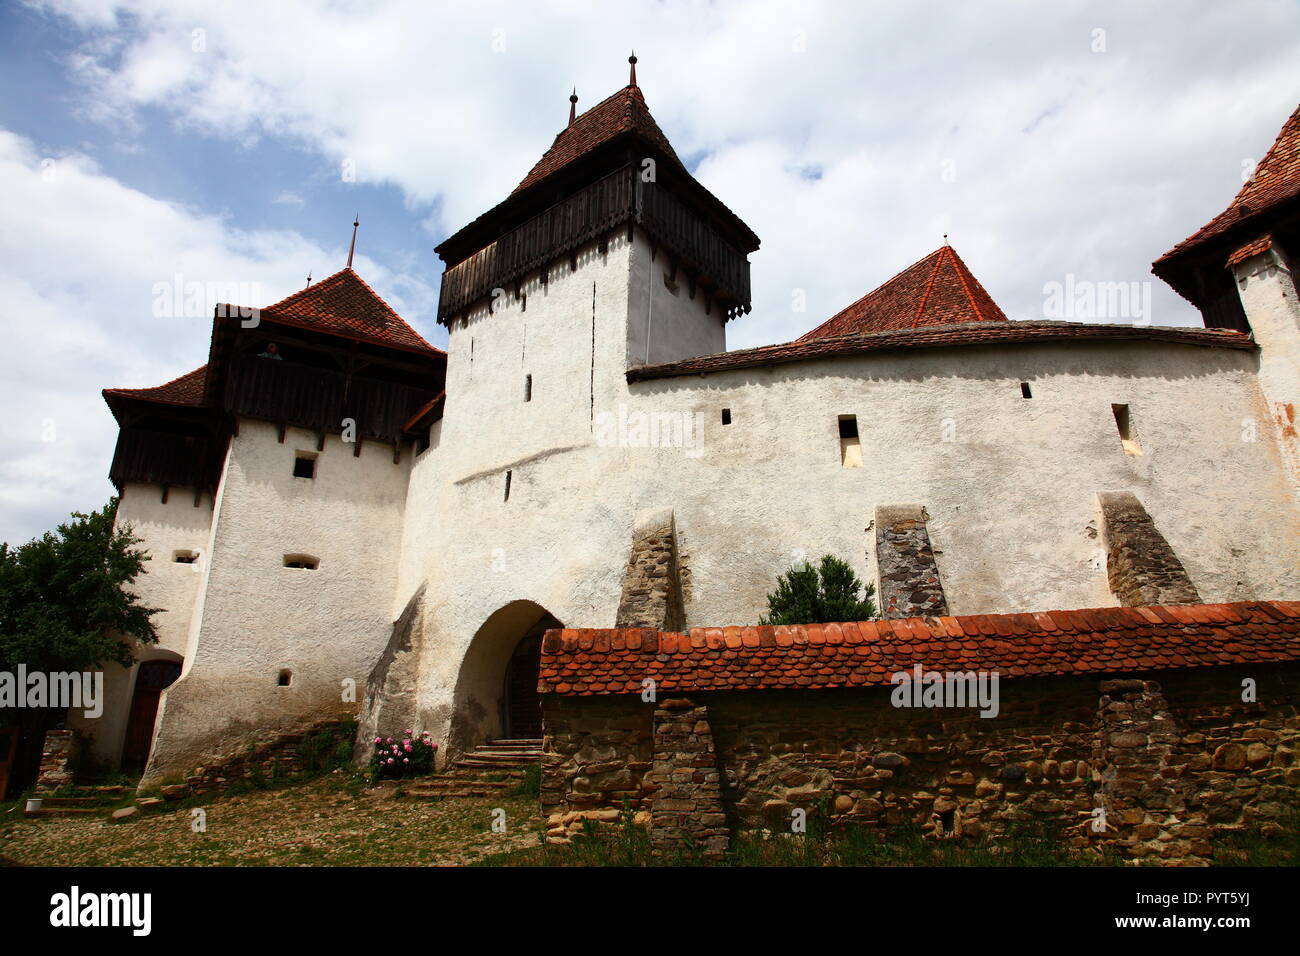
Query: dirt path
(316, 824)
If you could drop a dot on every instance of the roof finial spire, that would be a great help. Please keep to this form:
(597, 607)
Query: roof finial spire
(308, 278)
(353, 248)
(632, 60)
(573, 106)
(945, 238)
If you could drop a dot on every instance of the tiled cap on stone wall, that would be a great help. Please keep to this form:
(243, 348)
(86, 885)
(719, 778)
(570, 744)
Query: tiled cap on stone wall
(588, 662)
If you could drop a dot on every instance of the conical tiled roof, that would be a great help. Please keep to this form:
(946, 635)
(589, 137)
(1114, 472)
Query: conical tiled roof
(624, 112)
(345, 305)
(938, 290)
(1276, 180)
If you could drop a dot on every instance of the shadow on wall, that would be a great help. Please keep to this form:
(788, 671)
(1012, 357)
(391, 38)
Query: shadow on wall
(493, 697)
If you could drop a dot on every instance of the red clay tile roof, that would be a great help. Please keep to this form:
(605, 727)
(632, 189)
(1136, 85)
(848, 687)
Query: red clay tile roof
(623, 112)
(186, 389)
(1252, 248)
(1276, 180)
(345, 305)
(1098, 641)
(972, 333)
(937, 290)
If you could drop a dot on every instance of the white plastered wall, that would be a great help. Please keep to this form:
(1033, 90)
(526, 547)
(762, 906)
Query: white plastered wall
(1010, 483)
(258, 617)
(164, 528)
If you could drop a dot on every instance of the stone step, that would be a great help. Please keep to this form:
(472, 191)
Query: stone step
(529, 742)
(506, 748)
(435, 786)
(45, 811)
(72, 801)
(477, 763)
(462, 792)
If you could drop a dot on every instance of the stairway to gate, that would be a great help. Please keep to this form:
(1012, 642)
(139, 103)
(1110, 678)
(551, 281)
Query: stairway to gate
(489, 769)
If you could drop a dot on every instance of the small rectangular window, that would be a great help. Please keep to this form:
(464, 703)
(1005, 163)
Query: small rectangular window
(508, 474)
(528, 388)
(185, 557)
(301, 561)
(304, 466)
(726, 416)
(1024, 390)
(850, 447)
(285, 678)
(1125, 426)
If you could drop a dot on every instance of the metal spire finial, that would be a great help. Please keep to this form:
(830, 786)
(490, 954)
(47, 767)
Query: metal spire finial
(573, 105)
(632, 60)
(353, 248)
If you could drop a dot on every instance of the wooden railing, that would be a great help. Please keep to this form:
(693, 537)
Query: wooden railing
(282, 391)
(588, 214)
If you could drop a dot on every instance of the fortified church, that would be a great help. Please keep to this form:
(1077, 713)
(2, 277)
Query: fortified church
(343, 518)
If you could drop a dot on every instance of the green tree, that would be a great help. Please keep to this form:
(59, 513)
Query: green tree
(65, 598)
(827, 593)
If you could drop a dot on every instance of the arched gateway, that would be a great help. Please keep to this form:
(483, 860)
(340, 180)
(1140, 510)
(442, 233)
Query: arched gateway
(496, 691)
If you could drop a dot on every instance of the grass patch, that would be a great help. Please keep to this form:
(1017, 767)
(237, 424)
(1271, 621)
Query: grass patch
(626, 844)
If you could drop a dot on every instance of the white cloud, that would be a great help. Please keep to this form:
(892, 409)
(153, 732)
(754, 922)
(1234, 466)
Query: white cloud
(826, 126)
(81, 257)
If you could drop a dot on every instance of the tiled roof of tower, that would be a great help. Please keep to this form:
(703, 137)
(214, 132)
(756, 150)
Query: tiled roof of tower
(969, 334)
(185, 389)
(345, 305)
(937, 290)
(623, 112)
(580, 662)
(1276, 180)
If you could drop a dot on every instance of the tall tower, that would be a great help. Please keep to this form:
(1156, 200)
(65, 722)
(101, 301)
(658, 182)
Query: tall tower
(1239, 269)
(608, 254)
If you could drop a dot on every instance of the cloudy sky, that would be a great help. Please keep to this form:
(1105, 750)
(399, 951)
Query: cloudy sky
(234, 141)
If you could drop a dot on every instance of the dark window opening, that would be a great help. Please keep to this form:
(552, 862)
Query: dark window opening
(1024, 390)
(528, 388)
(304, 562)
(508, 474)
(726, 416)
(848, 426)
(185, 557)
(947, 820)
(304, 466)
(285, 678)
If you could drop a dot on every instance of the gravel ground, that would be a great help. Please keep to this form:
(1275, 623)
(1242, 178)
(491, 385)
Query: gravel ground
(320, 823)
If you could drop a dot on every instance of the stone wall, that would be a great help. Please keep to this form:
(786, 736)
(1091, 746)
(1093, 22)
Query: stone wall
(909, 575)
(282, 757)
(57, 756)
(596, 756)
(1140, 565)
(652, 592)
(686, 806)
(1167, 758)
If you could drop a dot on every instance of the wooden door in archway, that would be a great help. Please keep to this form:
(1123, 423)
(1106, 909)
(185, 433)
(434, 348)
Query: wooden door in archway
(522, 705)
(152, 679)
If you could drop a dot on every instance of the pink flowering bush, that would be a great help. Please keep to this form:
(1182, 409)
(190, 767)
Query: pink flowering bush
(409, 755)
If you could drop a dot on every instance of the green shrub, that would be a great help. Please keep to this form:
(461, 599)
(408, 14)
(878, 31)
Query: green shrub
(827, 593)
